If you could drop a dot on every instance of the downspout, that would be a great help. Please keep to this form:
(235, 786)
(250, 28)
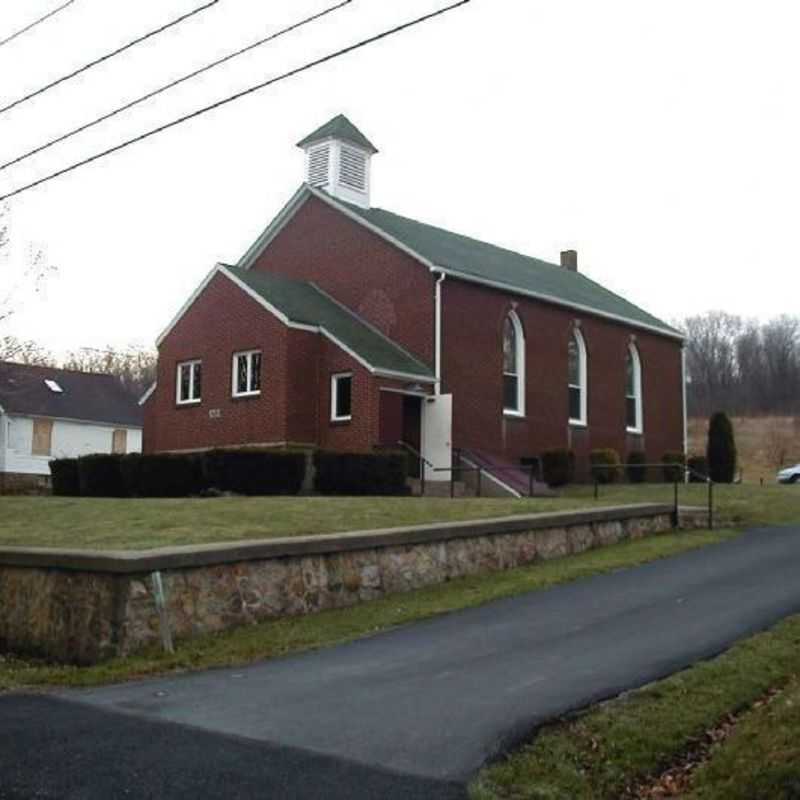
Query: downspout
(438, 343)
(685, 419)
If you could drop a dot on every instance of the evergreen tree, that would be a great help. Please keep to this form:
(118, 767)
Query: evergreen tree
(721, 451)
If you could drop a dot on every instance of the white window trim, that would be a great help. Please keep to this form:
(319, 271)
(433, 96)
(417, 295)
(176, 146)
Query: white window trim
(581, 421)
(519, 411)
(334, 380)
(633, 352)
(192, 401)
(234, 372)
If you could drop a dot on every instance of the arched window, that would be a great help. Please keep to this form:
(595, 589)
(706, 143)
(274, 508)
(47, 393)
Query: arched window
(513, 366)
(633, 390)
(577, 379)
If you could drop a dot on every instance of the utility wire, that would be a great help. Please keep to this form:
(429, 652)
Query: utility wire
(106, 57)
(35, 23)
(173, 84)
(290, 74)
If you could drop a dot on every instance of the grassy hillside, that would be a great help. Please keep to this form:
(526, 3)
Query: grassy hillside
(764, 443)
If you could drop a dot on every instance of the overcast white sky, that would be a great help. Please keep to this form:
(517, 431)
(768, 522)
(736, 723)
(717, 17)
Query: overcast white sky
(658, 139)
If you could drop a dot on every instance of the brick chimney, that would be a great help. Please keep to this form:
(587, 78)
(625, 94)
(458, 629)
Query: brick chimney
(569, 260)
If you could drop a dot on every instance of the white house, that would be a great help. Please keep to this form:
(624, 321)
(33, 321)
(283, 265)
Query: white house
(48, 413)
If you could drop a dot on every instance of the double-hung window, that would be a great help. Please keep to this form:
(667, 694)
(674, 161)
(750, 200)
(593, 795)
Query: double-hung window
(190, 382)
(247, 373)
(577, 379)
(633, 391)
(342, 397)
(513, 366)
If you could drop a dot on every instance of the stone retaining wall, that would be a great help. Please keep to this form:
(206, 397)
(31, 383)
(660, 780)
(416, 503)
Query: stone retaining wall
(83, 607)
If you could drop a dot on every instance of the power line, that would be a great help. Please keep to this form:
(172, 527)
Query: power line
(106, 57)
(173, 84)
(36, 22)
(290, 74)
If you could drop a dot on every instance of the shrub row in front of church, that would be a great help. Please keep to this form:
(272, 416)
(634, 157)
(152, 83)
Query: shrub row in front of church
(241, 472)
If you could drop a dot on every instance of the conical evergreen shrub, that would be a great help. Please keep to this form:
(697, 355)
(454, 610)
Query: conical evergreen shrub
(721, 450)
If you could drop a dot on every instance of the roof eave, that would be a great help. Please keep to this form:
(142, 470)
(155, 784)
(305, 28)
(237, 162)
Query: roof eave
(466, 276)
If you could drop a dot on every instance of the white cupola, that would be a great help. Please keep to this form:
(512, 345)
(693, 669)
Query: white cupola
(338, 160)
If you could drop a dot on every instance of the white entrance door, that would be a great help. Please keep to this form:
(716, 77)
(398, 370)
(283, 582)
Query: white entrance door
(437, 433)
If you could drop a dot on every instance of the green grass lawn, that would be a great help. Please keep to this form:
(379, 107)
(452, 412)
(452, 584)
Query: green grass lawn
(294, 634)
(142, 524)
(601, 754)
(761, 759)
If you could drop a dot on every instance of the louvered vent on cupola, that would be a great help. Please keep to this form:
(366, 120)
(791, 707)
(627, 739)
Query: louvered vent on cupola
(338, 159)
(318, 168)
(353, 168)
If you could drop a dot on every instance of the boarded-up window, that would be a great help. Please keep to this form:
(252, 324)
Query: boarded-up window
(42, 437)
(119, 442)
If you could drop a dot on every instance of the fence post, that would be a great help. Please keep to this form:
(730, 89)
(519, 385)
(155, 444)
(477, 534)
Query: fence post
(452, 483)
(676, 513)
(480, 475)
(421, 477)
(711, 505)
(596, 488)
(530, 482)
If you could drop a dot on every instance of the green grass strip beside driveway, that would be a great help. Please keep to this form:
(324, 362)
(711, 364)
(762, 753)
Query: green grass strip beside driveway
(761, 760)
(295, 634)
(613, 746)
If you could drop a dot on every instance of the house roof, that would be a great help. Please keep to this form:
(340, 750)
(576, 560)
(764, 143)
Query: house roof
(84, 396)
(473, 260)
(305, 304)
(489, 262)
(339, 128)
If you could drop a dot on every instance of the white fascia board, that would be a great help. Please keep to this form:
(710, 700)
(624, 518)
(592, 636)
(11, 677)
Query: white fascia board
(265, 303)
(146, 396)
(187, 305)
(377, 371)
(294, 204)
(221, 269)
(467, 277)
(331, 201)
(283, 217)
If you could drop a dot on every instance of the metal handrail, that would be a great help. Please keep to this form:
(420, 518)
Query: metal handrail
(687, 472)
(422, 461)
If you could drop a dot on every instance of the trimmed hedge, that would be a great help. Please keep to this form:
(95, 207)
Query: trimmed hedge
(558, 467)
(674, 466)
(605, 465)
(699, 466)
(162, 475)
(254, 472)
(100, 475)
(66, 482)
(637, 472)
(361, 473)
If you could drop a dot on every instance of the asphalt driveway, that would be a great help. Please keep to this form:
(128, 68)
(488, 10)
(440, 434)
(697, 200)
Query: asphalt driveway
(411, 712)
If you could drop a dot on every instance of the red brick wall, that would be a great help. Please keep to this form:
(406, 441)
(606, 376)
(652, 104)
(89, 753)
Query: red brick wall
(294, 405)
(222, 321)
(379, 282)
(472, 371)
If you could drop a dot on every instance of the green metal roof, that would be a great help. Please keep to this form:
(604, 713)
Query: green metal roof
(339, 128)
(487, 262)
(306, 304)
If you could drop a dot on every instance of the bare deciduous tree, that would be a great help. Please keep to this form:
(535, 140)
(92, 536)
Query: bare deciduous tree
(742, 366)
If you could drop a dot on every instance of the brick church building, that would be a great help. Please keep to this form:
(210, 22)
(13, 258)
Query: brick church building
(348, 327)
